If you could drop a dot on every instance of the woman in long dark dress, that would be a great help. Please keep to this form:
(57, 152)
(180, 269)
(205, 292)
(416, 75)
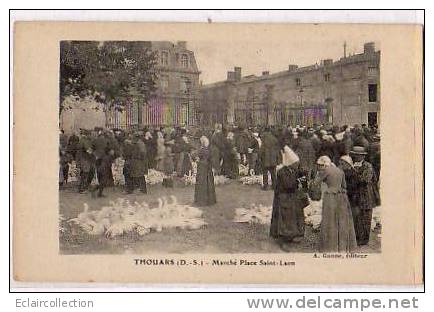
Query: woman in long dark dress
(204, 191)
(337, 227)
(287, 221)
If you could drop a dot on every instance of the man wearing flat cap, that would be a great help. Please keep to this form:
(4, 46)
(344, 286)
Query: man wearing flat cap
(365, 194)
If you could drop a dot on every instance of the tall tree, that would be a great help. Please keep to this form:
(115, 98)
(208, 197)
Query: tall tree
(107, 70)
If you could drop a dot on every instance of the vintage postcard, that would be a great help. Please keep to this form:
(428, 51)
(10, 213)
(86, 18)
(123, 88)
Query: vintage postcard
(217, 153)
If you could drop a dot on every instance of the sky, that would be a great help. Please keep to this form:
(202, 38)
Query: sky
(215, 58)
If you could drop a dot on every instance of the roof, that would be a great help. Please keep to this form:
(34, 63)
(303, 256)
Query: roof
(362, 57)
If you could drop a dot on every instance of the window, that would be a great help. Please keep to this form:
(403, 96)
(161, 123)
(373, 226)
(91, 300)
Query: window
(372, 119)
(185, 85)
(327, 77)
(372, 92)
(184, 60)
(372, 71)
(298, 82)
(164, 83)
(164, 58)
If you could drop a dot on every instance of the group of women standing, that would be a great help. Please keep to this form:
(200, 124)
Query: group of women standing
(348, 192)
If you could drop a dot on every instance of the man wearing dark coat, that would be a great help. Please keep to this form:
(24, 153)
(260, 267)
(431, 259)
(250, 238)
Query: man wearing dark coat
(269, 154)
(100, 145)
(374, 155)
(127, 152)
(183, 164)
(137, 166)
(230, 158)
(73, 145)
(348, 143)
(253, 152)
(243, 140)
(151, 148)
(104, 171)
(216, 148)
(347, 166)
(86, 164)
(307, 155)
(365, 193)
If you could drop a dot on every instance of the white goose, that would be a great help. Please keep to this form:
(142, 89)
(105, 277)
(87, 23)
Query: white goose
(160, 203)
(174, 200)
(165, 202)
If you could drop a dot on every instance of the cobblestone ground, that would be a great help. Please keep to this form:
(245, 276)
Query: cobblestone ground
(221, 235)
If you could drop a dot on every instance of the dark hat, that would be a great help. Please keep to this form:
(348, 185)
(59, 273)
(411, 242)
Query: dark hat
(358, 150)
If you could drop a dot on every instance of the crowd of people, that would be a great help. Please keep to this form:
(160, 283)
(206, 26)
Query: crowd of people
(338, 164)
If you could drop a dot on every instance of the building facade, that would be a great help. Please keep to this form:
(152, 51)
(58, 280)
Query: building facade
(177, 95)
(346, 91)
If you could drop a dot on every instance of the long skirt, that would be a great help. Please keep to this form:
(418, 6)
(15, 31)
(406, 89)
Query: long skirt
(287, 220)
(362, 226)
(337, 228)
(204, 191)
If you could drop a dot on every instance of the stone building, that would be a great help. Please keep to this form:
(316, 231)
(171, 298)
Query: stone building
(177, 94)
(346, 91)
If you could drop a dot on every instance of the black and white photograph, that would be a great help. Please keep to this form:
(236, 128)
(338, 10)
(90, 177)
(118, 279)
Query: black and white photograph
(222, 153)
(190, 147)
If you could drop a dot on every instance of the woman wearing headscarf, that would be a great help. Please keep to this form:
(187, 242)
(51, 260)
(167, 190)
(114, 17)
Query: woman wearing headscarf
(204, 191)
(287, 220)
(337, 227)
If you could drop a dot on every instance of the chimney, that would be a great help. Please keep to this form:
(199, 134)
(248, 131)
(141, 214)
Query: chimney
(327, 62)
(237, 71)
(292, 67)
(231, 76)
(265, 73)
(182, 44)
(369, 48)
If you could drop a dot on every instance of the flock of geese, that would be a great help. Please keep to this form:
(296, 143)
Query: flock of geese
(121, 217)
